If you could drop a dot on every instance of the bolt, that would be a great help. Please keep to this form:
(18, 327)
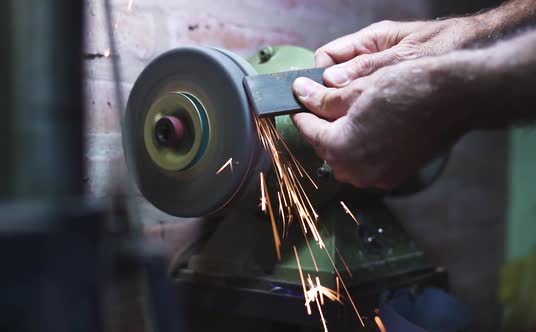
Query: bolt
(169, 131)
(266, 53)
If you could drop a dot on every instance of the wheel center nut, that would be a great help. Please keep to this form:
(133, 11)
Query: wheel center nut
(169, 131)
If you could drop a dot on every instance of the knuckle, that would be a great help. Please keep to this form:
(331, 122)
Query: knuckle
(363, 66)
(409, 53)
(324, 102)
(319, 52)
(383, 24)
(335, 101)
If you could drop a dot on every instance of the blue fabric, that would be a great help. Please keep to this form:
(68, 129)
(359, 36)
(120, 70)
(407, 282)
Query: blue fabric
(431, 310)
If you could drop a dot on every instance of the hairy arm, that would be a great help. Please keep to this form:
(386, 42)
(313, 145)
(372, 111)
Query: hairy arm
(507, 18)
(386, 125)
(386, 43)
(501, 81)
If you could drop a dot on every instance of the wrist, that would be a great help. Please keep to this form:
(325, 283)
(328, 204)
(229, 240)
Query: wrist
(470, 30)
(456, 78)
(491, 87)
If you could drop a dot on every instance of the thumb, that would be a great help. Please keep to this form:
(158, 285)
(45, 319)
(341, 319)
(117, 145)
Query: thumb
(327, 103)
(342, 74)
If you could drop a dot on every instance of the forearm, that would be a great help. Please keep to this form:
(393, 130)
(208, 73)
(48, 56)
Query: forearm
(488, 26)
(494, 87)
(509, 17)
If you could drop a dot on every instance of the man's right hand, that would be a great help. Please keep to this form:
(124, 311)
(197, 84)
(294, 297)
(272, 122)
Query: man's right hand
(386, 43)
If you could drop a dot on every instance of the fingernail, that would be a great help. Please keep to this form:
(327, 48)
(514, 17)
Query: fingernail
(303, 87)
(337, 76)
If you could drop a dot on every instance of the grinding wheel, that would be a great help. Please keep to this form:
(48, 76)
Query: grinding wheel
(186, 116)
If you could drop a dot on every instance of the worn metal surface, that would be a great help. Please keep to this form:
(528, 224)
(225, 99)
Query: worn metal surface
(272, 94)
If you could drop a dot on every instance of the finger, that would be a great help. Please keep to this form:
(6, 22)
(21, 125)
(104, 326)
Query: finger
(328, 103)
(342, 74)
(342, 49)
(311, 128)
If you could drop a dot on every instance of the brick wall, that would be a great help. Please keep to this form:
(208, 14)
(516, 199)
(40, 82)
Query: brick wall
(459, 221)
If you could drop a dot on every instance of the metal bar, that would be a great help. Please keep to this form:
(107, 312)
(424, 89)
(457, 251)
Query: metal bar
(272, 94)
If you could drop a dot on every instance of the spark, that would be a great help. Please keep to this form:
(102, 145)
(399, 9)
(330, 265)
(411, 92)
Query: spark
(130, 2)
(286, 166)
(321, 294)
(229, 164)
(302, 280)
(344, 263)
(106, 53)
(347, 210)
(263, 195)
(338, 289)
(292, 196)
(311, 252)
(282, 214)
(314, 298)
(324, 323)
(277, 240)
(379, 323)
(346, 289)
(316, 294)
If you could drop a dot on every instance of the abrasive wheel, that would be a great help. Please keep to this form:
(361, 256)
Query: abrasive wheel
(186, 116)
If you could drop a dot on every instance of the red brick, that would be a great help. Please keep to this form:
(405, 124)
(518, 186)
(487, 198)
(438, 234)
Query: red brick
(213, 31)
(135, 32)
(104, 164)
(102, 115)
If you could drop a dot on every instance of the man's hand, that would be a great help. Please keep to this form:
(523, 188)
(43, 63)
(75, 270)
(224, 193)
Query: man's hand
(386, 43)
(388, 124)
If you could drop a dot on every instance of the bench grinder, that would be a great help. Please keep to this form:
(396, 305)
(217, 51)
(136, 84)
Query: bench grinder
(187, 115)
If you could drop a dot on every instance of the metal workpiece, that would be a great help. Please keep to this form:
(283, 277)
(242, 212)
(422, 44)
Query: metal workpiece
(272, 94)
